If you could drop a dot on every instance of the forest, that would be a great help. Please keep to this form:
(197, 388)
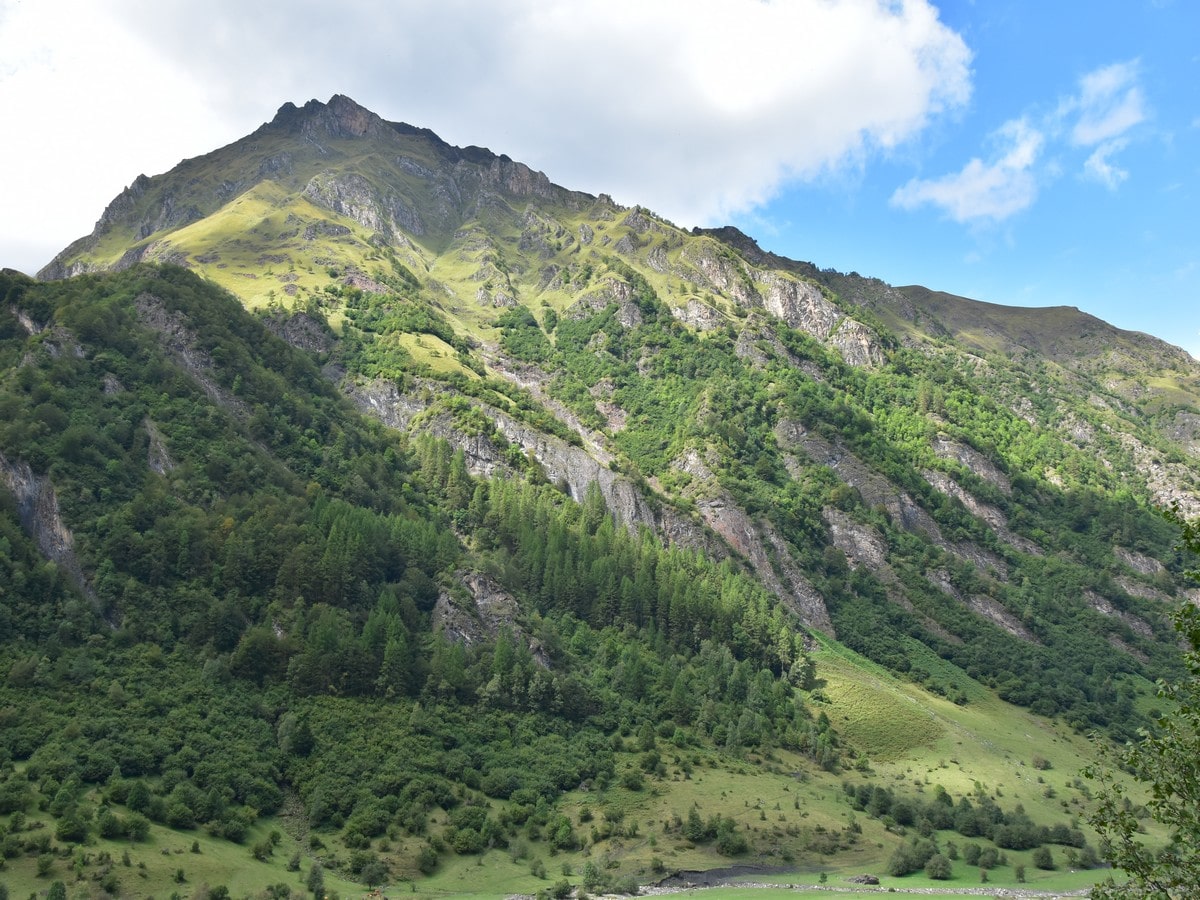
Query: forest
(250, 618)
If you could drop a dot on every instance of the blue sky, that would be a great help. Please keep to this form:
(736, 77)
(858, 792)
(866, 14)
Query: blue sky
(1023, 152)
(1098, 117)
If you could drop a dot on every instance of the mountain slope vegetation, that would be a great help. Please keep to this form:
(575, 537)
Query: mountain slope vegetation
(440, 513)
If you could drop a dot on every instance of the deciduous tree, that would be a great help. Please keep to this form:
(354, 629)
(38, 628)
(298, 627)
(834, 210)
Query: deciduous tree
(1167, 761)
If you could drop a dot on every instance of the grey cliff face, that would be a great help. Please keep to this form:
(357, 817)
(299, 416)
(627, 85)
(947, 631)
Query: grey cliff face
(38, 510)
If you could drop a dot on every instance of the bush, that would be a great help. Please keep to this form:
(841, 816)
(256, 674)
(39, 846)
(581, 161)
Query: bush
(1043, 858)
(938, 868)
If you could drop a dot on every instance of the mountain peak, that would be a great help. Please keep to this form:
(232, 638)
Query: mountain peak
(340, 117)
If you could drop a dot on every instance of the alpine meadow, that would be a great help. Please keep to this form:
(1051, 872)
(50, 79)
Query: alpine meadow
(377, 514)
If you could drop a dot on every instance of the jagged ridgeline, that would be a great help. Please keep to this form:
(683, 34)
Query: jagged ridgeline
(511, 489)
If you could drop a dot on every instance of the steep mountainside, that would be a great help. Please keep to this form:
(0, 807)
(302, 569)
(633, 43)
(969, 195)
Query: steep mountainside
(512, 463)
(734, 401)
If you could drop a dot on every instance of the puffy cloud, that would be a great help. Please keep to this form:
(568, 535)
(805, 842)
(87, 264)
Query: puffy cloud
(981, 191)
(1109, 103)
(696, 108)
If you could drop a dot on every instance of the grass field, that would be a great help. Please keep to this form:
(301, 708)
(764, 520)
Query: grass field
(796, 817)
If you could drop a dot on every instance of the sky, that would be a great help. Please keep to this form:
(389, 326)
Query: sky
(1022, 152)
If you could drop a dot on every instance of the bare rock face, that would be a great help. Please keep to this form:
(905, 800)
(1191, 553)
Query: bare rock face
(1103, 606)
(877, 491)
(699, 315)
(862, 545)
(758, 542)
(721, 271)
(874, 488)
(563, 463)
(995, 519)
(181, 343)
(301, 331)
(363, 283)
(1171, 484)
(857, 343)
(348, 195)
(518, 179)
(1140, 563)
(800, 305)
(981, 604)
(37, 508)
(157, 455)
(25, 322)
(1186, 430)
(340, 117)
(487, 610)
(974, 461)
(611, 290)
(803, 306)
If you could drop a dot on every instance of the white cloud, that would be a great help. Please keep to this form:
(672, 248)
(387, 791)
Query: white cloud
(696, 108)
(1109, 103)
(86, 108)
(980, 191)
(1098, 168)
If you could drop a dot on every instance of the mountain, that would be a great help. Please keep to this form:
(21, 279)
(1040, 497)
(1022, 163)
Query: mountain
(386, 490)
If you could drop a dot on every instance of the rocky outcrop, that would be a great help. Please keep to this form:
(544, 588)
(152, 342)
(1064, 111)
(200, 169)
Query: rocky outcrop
(864, 548)
(349, 195)
(875, 490)
(720, 270)
(1123, 647)
(1185, 430)
(699, 315)
(1105, 607)
(341, 117)
(543, 236)
(803, 306)
(24, 321)
(157, 455)
(614, 416)
(37, 508)
(301, 330)
(632, 505)
(366, 284)
(145, 207)
(1140, 563)
(181, 343)
(857, 343)
(973, 461)
(981, 604)
(759, 543)
(861, 544)
(995, 519)
(610, 290)
(799, 304)
(563, 463)
(1171, 484)
(479, 613)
